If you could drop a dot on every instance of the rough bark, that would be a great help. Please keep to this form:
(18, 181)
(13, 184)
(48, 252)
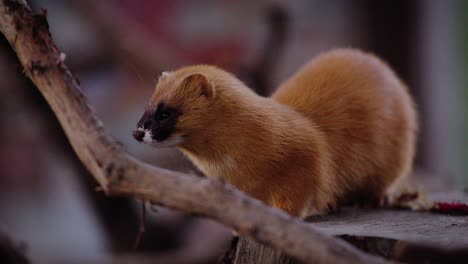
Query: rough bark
(120, 174)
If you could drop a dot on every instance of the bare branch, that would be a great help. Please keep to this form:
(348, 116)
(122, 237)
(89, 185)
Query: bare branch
(120, 174)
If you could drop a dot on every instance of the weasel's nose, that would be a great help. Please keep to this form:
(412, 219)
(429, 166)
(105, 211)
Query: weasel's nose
(138, 135)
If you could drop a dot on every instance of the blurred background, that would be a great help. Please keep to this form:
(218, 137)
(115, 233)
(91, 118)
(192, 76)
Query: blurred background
(118, 48)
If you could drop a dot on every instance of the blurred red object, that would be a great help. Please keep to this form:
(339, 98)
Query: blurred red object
(451, 207)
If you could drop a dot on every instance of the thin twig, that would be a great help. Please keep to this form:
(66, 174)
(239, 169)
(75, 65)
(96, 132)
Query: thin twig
(141, 228)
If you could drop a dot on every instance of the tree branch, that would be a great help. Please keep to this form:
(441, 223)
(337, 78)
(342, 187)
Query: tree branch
(10, 251)
(120, 174)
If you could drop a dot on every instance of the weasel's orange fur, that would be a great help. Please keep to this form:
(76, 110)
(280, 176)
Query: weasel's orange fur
(342, 128)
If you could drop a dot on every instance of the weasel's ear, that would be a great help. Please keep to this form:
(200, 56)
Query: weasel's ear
(162, 76)
(199, 83)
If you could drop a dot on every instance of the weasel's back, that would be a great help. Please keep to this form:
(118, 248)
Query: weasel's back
(365, 112)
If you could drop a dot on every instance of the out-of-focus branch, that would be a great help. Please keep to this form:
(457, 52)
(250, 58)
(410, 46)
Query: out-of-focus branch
(10, 252)
(120, 174)
(278, 24)
(126, 38)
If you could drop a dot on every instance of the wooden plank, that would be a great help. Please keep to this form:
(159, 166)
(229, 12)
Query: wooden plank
(402, 235)
(432, 229)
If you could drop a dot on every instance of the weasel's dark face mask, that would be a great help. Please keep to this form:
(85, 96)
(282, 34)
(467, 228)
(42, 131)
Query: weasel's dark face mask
(157, 126)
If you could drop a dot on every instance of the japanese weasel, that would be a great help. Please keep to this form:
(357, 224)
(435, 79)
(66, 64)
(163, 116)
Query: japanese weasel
(343, 128)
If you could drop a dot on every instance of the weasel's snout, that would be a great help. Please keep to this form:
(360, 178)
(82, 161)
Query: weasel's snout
(138, 135)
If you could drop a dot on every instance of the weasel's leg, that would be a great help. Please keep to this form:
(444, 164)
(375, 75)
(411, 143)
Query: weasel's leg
(293, 203)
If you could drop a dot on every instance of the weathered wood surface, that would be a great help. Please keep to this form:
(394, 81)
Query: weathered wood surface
(402, 235)
(438, 230)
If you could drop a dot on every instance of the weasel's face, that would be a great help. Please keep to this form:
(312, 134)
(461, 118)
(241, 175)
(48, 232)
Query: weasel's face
(175, 110)
(157, 126)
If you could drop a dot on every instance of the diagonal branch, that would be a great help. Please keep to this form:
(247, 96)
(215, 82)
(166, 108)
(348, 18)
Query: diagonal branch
(120, 174)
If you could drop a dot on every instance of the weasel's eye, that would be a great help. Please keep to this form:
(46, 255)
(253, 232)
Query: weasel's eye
(162, 115)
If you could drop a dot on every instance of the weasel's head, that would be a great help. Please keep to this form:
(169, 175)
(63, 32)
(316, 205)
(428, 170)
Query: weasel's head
(177, 109)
